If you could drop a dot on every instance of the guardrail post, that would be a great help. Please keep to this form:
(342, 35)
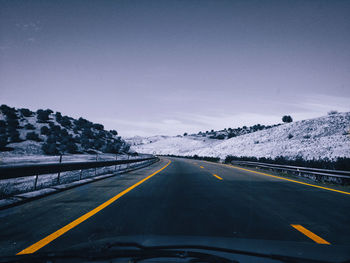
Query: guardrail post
(80, 174)
(96, 167)
(59, 173)
(36, 181)
(115, 166)
(128, 165)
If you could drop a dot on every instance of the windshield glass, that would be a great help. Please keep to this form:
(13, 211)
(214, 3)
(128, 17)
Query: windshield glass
(218, 129)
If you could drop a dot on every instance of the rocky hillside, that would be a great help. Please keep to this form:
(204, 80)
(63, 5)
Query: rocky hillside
(319, 138)
(24, 132)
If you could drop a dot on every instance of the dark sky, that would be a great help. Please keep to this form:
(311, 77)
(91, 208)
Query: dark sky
(168, 67)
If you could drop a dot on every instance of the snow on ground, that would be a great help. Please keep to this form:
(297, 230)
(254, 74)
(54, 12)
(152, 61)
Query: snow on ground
(40, 158)
(174, 145)
(317, 138)
(145, 140)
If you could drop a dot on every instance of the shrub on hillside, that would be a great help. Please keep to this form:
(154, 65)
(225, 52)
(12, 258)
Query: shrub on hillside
(55, 129)
(111, 148)
(64, 133)
(231, 135)
(71, 147)
(58, 116)
(86, 144)
(125, 147)
(65, 121)
(43, 115)
(77, 139)
(29, 126)
(66, 143)
(51, 139)
(9, 112)
(3, 141)
(114, 132)
(14, 135)
(76, 130)
(4, 108)
(3, 130)
(98, 144)
(332, 112)
(82, 123)
(33, 136)
(220, 137)
(87, 133)
(287, 118)
(45, 130)
(26, 112)
(257, 127)
(98, 126)
(50, 148)
(101, 135)
(12, 124)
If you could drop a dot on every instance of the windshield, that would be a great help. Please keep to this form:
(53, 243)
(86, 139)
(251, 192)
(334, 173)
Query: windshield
(184, 130)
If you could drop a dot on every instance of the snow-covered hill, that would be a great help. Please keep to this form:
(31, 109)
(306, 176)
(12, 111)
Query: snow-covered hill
(317, 138)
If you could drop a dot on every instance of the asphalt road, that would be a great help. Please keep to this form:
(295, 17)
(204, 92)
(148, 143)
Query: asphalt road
(188, 198)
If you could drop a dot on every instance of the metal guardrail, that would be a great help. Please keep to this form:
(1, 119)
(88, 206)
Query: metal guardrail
(336, 176)
(18, 179)
(14, 171)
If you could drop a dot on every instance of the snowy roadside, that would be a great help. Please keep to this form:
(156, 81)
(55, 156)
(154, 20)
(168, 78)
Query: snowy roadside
(41, 158)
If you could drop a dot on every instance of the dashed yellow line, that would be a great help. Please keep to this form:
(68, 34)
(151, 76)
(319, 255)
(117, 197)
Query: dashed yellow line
(310, 235)
(45, 241)
(217, 176)
(201, 167)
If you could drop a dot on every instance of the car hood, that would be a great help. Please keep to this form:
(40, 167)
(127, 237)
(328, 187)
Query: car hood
(307, 250)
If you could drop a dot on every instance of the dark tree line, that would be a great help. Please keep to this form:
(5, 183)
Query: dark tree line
(59, 134)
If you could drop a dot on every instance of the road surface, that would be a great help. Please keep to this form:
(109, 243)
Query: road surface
(183, 198)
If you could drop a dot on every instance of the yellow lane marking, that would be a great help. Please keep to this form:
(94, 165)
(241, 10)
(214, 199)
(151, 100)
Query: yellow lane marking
(310, 235)
(286, 179)
(290, 180)
(201, 167)
(217, 176)
(43, 242)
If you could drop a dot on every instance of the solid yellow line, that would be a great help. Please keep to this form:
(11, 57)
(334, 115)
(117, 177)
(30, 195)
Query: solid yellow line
(201, 166)
(217, 176)
(43, 242)
(290, 180)
(310, 235)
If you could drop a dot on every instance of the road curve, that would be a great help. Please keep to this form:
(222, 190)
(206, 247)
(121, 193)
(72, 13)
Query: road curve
(178, 198)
